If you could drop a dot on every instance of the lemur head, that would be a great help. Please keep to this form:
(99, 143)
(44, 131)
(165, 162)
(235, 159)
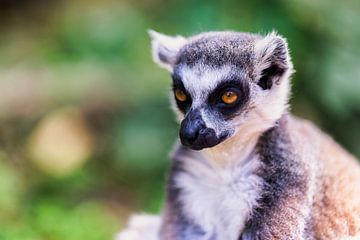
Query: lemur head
(225, 83)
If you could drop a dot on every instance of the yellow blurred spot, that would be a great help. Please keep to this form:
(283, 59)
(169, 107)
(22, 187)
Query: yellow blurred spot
(61, 143)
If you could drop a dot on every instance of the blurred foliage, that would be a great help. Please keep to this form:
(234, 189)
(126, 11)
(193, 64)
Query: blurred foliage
(85, 125)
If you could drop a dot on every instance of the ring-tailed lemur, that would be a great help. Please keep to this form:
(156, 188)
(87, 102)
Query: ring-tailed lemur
(246, 168)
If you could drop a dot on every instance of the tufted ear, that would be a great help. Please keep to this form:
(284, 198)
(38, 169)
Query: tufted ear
(272, 60)
(165, 49)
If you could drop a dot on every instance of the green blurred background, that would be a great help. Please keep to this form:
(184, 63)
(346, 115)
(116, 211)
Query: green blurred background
(85, 124)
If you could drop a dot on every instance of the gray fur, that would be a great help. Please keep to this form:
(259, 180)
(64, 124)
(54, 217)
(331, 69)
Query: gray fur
(283, 203)
(273, 177)
(261, 67)
(219, 48)
(286, 183)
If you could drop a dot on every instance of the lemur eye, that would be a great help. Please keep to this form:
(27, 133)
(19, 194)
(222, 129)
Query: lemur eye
(229, 97)
(180, 95)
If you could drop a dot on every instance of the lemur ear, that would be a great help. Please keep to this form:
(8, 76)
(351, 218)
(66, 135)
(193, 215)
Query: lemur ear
(272, 60)
(165, 49)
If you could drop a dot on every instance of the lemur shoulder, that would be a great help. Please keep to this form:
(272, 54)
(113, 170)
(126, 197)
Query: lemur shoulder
(246, 168)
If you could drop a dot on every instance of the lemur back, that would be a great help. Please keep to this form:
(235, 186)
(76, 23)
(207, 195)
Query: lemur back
(336, 200)
(246, 168)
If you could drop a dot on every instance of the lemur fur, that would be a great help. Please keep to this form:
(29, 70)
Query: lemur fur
(247, 170)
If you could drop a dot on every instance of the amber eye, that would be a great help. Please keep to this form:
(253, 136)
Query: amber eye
(229, 97)
(180, 95)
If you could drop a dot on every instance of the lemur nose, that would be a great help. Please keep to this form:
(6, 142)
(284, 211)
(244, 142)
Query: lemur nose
(191, 130)
(191, 127)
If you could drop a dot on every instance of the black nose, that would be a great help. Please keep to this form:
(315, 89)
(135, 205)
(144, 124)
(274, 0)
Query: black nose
(190, 128)
(195, 134)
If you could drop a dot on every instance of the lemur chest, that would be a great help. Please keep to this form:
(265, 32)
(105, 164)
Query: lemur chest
(218, 201)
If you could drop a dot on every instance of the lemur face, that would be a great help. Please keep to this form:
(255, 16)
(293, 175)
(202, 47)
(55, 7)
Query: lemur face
(211, 99)
(223, 82)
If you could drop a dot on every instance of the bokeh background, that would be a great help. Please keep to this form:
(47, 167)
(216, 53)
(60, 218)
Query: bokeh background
(85, 124)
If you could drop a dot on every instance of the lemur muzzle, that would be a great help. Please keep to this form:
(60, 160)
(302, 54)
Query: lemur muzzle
(195, 134)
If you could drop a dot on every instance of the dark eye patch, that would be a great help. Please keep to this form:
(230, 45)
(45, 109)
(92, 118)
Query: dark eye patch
(178, 84)
(238, 86)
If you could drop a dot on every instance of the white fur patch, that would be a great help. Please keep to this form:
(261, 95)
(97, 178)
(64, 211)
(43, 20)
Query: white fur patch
(166, 46)
(200, 80)
(217, 199)
(141, 227)
(266, 108)
(351, 238)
